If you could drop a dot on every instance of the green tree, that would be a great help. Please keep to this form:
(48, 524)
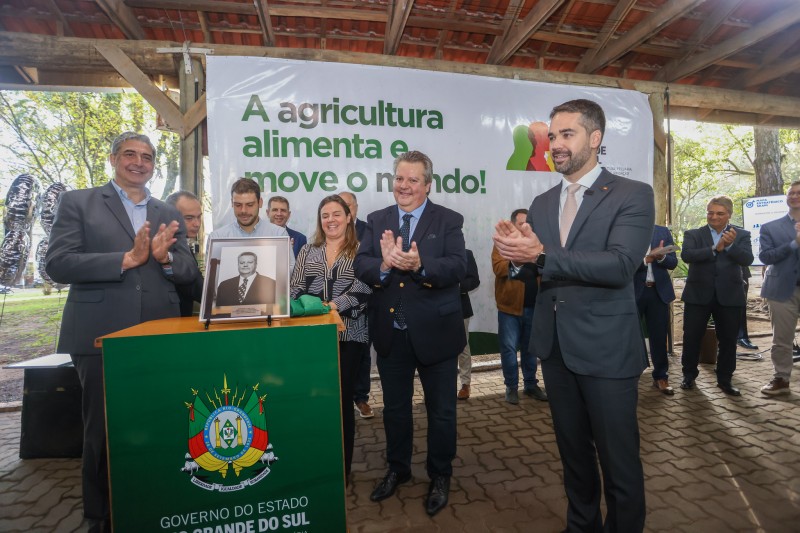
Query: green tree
(65, 137)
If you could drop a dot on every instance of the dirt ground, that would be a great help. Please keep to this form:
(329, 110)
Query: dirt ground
(757, 323)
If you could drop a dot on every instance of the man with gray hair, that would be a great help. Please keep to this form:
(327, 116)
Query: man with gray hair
(122, 251)
(714, 287)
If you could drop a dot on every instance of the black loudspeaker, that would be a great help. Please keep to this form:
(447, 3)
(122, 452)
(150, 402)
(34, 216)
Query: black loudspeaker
(52, 425)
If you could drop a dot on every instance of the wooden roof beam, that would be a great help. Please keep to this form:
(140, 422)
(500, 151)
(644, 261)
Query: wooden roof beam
(505, 46)
(62, 22)
(443, 32)
(676, 70)
(262, 8)
(640, 33)
(769, 73)
(398, 12)
(203, 20)
(711, 24)
(609, 28)
(122, 16)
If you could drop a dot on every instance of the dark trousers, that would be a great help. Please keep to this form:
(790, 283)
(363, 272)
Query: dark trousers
(439, 386)
(595, 418)
(726, 325)
(349, 357)
(656, 316)
(94, 470)
(743, 317)
(361, 393)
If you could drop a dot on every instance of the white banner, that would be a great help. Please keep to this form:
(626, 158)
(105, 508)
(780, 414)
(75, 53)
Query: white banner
(758, 211)
(305, 130)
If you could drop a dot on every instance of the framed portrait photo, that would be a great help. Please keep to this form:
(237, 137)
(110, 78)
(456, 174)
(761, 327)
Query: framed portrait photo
(246, 279)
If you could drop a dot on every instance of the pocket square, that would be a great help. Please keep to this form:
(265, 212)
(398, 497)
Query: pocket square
(430, 236)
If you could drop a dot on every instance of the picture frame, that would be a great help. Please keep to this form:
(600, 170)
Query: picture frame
(263, 261)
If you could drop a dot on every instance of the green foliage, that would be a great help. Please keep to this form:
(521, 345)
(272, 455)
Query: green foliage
(65, 137)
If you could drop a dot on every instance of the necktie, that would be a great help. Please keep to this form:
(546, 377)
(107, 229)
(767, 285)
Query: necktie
(242, 290)
(405, 230)
(569, 212)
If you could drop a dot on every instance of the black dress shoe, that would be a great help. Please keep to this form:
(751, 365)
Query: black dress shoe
(727, 388)
(438, 491)
(687, 383)
(388, 485)
(744, 342)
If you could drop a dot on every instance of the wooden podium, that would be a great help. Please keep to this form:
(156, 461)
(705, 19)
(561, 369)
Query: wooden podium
(234, 428)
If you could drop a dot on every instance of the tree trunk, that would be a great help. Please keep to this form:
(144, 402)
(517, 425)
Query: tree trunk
(767, 163)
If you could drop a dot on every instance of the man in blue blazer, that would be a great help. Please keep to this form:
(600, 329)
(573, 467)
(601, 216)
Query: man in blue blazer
(413, 256)
(780, 241)
(714, 287)
(654, 292)
(279, 213)
(586, 237)
(122, 251)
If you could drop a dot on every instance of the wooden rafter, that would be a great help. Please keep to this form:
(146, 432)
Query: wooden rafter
(609, 28)
(398, 12)
(505, 46)
(201, 17)
(771, 72)
(676, 70)
(711, 24)
(443, 33)
(122, 16)
(264, 18)
(62, 21)
(640, 33)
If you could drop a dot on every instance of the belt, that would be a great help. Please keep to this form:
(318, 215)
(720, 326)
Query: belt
(649, 283)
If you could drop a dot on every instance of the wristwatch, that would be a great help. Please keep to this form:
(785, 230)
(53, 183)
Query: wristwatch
(169, 259)
(540, 260)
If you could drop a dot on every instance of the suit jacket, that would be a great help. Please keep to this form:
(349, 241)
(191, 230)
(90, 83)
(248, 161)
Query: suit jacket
(299, 240)
(470, 282)
(715, 275)
(660, 270)
(590, 280)
(261, 291)
(189, 293)
(779, 252)
(90, 234)
(360, 227)
(431, 300)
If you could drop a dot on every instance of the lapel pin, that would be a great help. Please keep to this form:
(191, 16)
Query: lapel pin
(604, 188)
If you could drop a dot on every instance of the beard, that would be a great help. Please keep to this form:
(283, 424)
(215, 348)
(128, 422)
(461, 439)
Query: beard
(574, 162)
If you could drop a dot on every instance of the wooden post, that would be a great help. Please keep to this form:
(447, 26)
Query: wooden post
(660, 178)
(192, 87)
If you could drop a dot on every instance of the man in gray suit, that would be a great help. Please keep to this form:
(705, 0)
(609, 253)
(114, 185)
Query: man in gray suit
(714, 287)
(586, 237)
(780, 241)
(122, 251)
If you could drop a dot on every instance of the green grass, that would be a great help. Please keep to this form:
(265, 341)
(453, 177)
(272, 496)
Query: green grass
(29, 325)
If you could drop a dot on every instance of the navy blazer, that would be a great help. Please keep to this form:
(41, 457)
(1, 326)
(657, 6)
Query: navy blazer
(713, 274)
(298, 240)
(90, 234)
(661, 269)
(471, 282)
(779, 252)
(431, 299)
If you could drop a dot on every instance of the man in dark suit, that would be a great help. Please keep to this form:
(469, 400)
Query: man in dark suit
(190, 209)
(586, 237)
(714, 287)
(249, 287)
(780, 241)
(654, 292)
(362, 384)
(278, 212)
(413, 256)
(122, 251)
(743, 338)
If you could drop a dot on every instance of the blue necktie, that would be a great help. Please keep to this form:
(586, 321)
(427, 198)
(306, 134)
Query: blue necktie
(405, 230)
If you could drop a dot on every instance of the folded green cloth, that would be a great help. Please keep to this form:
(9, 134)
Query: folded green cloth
(307, 305)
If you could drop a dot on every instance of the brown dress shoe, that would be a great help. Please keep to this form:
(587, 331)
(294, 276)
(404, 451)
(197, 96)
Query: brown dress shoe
(663, 386)
(463, 394)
